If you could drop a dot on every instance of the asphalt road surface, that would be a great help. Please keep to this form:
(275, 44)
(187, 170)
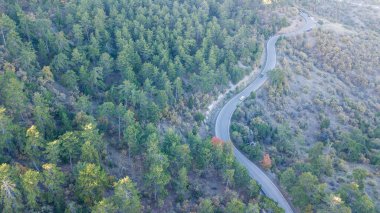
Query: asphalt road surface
(223, 121)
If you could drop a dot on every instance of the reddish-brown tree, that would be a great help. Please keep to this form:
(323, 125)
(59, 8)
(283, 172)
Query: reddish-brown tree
(216, 141)
(266, 162)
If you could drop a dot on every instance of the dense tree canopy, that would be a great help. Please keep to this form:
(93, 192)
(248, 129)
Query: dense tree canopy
(84, 82)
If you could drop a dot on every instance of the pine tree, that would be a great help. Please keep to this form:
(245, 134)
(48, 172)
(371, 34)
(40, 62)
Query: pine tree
(10, 196)
(91, 133)
(53, 151)
(228, 176)
(89, 154)
(44, 121)
(157, 176)
(182, 183)
(12, 94)
(71, 147)
(91, 183)
(126, 196)
(29, 182)
(6, 136)
(104, 206)
(206, 206)
(235, 206)
(131, 134)
(34, 145)
(53, 180)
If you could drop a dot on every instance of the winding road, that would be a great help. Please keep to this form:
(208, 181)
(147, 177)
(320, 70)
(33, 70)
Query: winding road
(223, 121)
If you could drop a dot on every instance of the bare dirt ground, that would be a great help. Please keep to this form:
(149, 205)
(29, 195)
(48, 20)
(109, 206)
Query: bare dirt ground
(336, 27)
(296, 23)
(368, 4)
(354, 14)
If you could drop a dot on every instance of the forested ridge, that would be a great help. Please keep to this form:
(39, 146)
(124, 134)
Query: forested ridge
(85, 82)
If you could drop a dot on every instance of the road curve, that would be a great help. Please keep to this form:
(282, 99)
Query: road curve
(223, 121)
